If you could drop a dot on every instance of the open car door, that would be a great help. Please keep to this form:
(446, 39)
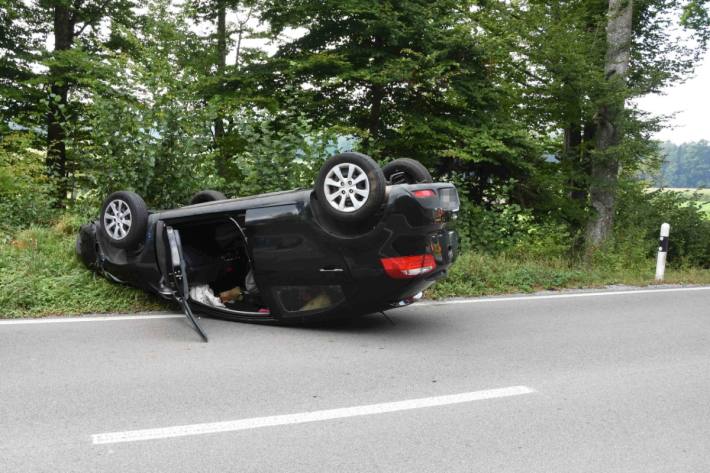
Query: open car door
(176, 275)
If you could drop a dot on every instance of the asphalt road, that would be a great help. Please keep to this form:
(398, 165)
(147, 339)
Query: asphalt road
(602, 383)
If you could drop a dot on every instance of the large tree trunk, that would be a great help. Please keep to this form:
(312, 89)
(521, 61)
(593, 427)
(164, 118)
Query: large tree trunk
(605, 162)
(59, 90)
(222, 156)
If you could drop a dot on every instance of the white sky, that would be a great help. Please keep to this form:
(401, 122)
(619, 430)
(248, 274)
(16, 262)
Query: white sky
(689, 101)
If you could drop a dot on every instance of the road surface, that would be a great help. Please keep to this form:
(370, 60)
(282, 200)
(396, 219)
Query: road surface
(611, 382)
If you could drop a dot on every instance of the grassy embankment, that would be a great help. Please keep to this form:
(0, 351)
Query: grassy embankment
(40, 275)
(476, 275)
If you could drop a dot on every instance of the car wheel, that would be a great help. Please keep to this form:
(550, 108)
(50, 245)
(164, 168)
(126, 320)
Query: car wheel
(207, 196)
(406, 171)
(350, 187)
(124, 218)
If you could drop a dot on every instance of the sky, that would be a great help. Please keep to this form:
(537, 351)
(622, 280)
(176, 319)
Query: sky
(689, 101)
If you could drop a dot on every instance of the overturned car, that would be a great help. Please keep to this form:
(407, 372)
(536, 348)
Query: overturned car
(365, 239)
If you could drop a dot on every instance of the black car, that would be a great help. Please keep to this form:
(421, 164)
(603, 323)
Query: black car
(365, 239)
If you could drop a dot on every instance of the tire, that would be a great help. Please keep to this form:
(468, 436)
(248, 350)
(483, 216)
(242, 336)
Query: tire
(350, 197)
(124, 219)
(207, 196)
(406, 171)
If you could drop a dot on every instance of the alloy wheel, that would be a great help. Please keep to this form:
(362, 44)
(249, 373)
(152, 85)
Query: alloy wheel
(346, 187)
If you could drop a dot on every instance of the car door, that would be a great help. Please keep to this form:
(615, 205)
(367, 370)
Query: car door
(172, 266)
(295, 269)
(287, 250)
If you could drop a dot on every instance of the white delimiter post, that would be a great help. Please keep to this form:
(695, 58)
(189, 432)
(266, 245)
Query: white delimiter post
(662, 252)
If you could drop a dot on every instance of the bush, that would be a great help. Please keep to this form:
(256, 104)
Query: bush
(24, 187)
(501, 226)
(493, 227)
(280, 151)
(638, 220)
(162, 153)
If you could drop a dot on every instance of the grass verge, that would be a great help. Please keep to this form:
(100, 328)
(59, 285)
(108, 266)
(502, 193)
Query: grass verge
(40, 275)
(478, 275)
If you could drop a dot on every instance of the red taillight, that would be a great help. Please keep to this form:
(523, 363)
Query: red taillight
(424, 194)
(404, 267)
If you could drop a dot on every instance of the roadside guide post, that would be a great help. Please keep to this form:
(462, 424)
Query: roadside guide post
(662, 252)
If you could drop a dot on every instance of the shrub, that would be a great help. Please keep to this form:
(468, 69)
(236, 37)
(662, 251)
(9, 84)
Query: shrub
(280, 151)
(161, 152)
(639, 217)
(501, 226)
(494, 226)
(24, 187)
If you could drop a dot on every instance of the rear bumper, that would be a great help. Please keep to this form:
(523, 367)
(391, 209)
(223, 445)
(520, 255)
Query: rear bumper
(378, 291)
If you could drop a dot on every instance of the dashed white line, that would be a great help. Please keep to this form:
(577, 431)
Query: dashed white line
(304, 417)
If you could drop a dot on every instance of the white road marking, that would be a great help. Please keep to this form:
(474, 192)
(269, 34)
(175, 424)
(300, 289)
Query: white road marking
(303, 417)
(557, 296)
(479, 300)
(105, 318)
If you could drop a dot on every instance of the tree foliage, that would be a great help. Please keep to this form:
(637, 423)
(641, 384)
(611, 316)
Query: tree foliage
(414, 78)
(523, 104)
(560, 56)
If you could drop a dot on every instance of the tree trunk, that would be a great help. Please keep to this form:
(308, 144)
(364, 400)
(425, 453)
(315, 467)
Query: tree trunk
(582, 165)
(59, 90)
(571, 153)
(376, 93)
(222, 156)
(605, 162)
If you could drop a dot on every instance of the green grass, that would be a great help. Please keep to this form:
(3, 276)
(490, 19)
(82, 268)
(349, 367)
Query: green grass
(40, 275)
(478, 275)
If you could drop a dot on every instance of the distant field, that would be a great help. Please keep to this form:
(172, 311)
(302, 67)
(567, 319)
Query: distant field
(702, 196)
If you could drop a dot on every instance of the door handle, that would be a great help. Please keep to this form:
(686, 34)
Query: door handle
(331, 270)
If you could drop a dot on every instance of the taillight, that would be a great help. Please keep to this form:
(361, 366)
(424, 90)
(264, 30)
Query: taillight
(424, 194)
(404, 267)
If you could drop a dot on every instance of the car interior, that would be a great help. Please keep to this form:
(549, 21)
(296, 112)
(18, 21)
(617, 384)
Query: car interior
(219, 265)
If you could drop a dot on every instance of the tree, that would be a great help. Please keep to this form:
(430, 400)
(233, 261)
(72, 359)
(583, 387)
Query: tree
(609, 131)
(413, 78)
(17, 54)
(75, 27)
(684, 165)
(219, 77)
(580, 63)
(150, 131)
